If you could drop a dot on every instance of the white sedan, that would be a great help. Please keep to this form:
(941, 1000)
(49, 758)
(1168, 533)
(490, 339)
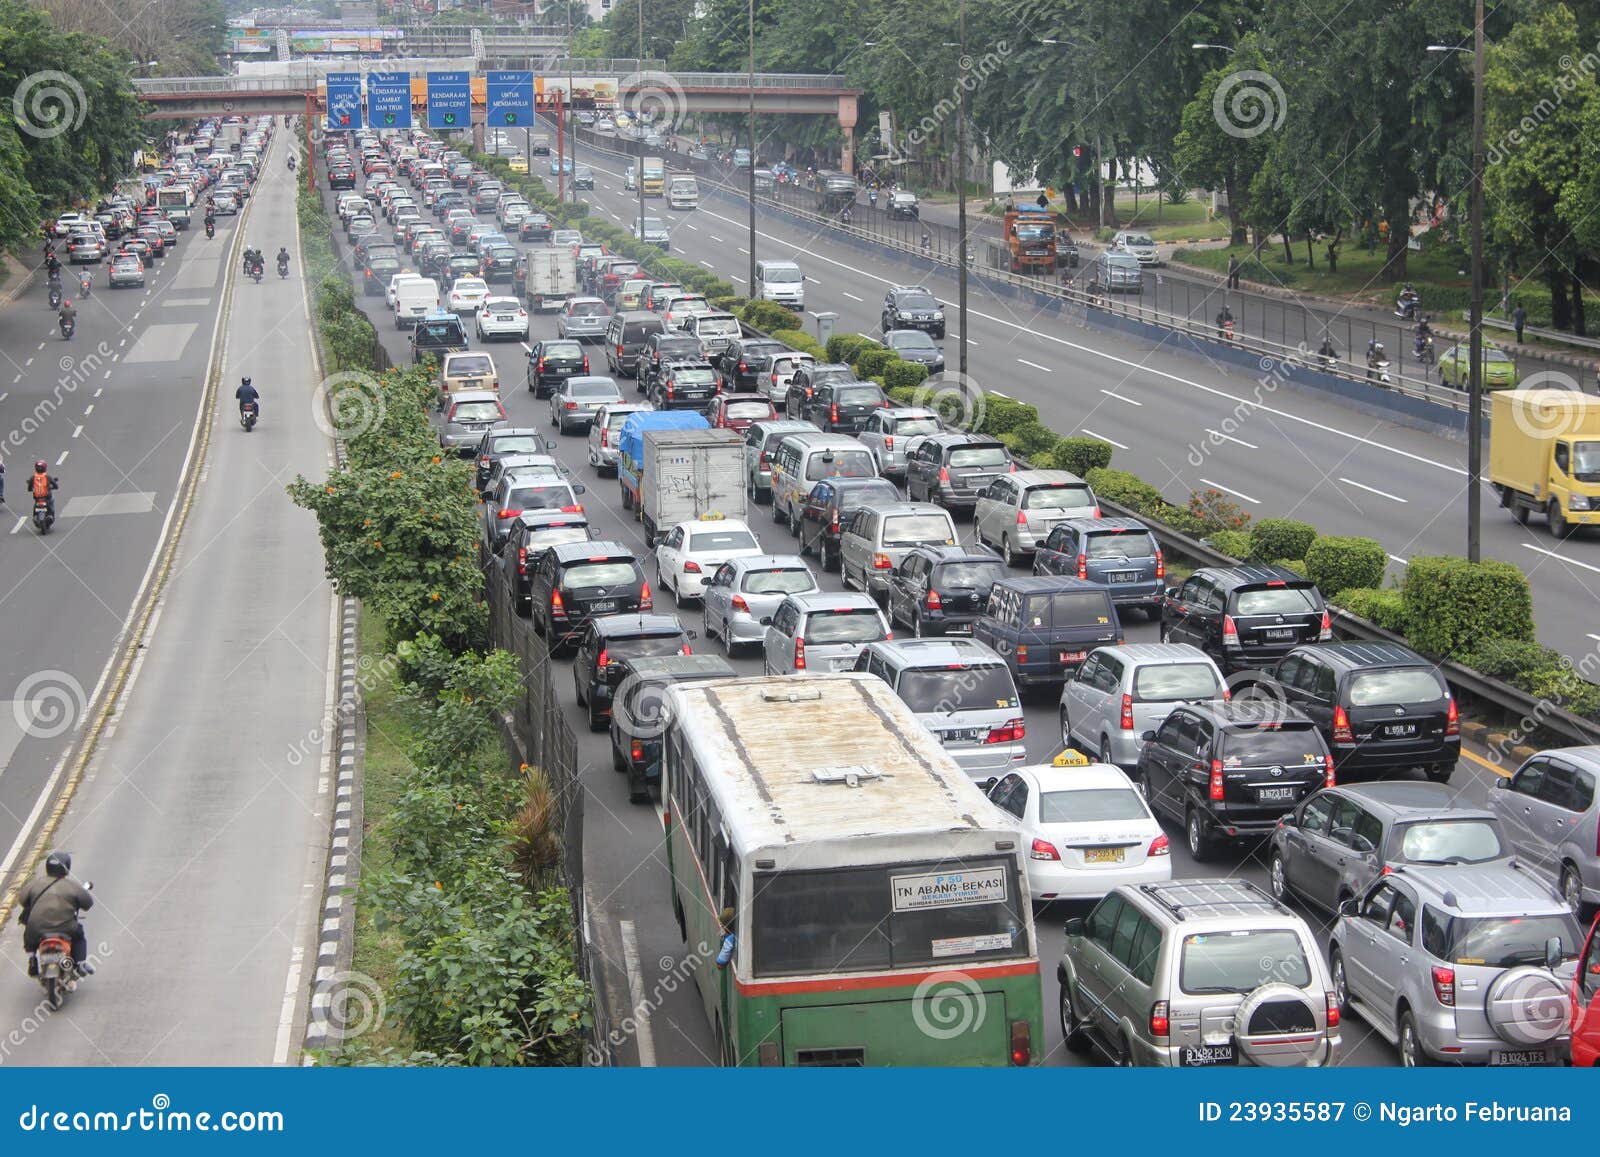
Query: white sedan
(467, 294)
(502, 317)
(1086, 827)
(691, 551)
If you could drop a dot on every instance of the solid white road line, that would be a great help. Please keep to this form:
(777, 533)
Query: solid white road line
(291, 1001)
(1084, 430)
(1230, 490)
(1220, 436)
(644, 1036)
(1033, 365)
(1120, 398)
(1560, 557)
(1373, 490)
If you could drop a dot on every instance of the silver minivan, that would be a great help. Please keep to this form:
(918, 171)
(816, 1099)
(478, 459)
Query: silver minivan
(1550, 814)
(876, 539)
(803, 459)
(962, 692)
(1119, 693)
(889, 431)
(780, 281)
(820, 632)
(775, 383)
(606, 431)
(1016, 511)
(744, 593)
(760, 444)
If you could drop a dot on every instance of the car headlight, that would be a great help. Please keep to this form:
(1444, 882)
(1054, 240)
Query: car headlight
(1579, 502)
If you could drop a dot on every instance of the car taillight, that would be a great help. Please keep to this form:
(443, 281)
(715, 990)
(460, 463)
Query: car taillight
(1083, 566)
(834, 526)
(764, 459)
(932, 601)
(1326, 632)
(605, 437)
(669, 390)
(585, 363)
(743, 368)
(1342, 732)
(603, 660)
(691, 567)
(1160, 846)
(1022, 519)
(1127, 713)
(881, 562)
(557, 607)
(522, 560)
(1230, 632)
(1333, 1010)
(799, 654)
(1021, 1043)
(619, 349)
(572, 509)
(571, 405)
(1216, 779)
(740, 605)
(1444, 985)
(833, 413)
(644, 598)
(1160, 1025)
(1022, 652)
(944, 474)
(1328, 779)
(1452, 719)
(1013, 731)
(1044, 850)
(636, 751)
(685, 650)
(1161, 565)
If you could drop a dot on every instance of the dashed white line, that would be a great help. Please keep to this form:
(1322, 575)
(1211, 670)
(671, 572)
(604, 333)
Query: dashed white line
(22, 520)
(740, 280)
(63, 457)
(1398, 559)
(102, 389)
(1232, 491)
(1000, 393)
(742, 249)
(708, 265)
(851, 296)
(1120, 397)
(87, 411)
(27, 363)
(1373, 490)
(41, 345)
(106, 378)
(1037, 366)
(77, 430)
(813, 280)
(1218, 434)
(1090, 433)
(1560, 557)
(696, 228)
(717, 239)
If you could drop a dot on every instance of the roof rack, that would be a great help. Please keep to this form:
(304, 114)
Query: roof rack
(1179, 910)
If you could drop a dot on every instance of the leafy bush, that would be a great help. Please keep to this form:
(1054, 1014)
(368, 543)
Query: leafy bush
(1298, 565)
(1079, 455)
(905, 376)
(1233, 543)
(870, 362)
(1003, 415)
(1336, 563)
(727, 304)
(1216, 511)
(1126, 489)
(802, 342)
(1280, 538)
(842, 347)
(1178, 518)
(1538, 670)
(905, 395)
(1453, 604)
(767, 316)
(1384, 608)
(1031, 440)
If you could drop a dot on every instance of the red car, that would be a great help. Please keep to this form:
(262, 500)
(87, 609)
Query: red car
(739, 411)
(1586, 1003)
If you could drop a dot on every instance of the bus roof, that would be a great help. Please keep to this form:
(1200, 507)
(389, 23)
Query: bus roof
(779, 753)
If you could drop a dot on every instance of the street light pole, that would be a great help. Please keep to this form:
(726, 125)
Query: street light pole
(961, 191)
(1475, 318)
(638, 172)
(751, 129)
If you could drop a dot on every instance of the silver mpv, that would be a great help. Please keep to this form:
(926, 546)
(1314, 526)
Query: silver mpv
(1122, 692)
(820, 632)
(876, 539)
(743, 594)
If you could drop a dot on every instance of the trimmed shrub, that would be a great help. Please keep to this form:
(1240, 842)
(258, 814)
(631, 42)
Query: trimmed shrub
(1538, 670)
(728, 304)
(1341, 564)
(905, 395)
(1383, 608)
(1216, 511)
(1453, 604)
(1003, 415)
(1031, 440)
(870, 362)
(1079, 455)
(1177, 518)
(1281, 538)
(1234, 543)
(767, 316)
(842, 347)
(1298, 565)
(1126, 489)
(803, 342)
(905, 376)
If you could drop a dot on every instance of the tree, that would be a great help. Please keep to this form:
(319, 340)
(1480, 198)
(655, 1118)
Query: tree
(1218, 148)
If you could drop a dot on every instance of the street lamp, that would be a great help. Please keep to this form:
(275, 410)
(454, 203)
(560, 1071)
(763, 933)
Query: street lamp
(962, 63)
(638, 172)
(1219, 47)
(1475, 312)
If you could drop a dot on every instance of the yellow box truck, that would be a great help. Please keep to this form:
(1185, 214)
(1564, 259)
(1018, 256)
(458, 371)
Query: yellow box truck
(1544, 456)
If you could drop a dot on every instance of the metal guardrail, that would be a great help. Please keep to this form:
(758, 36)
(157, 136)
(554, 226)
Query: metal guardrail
(1555, 335)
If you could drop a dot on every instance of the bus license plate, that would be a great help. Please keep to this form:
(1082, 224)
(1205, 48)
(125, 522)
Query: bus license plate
(1399, 730)
(1102, 855)
(1519, 1057)
(1276, 794)
(1123, 576)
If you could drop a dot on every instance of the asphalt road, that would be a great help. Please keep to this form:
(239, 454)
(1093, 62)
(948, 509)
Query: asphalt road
(1180, 422)
(204, 816)
(625, 872)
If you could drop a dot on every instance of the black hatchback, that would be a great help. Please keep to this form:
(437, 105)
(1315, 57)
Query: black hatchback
(746, 360)
(1230, 771)
(1245, 616)
(1045, 626)
(822, 514)
(579, 581)
(843, 407)
(636, 723)
(597, 667)
(941, 590)
(552, 362)
(1380, 707)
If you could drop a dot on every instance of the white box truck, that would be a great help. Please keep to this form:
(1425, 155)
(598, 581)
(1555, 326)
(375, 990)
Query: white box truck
(688, 473)
(552, 277)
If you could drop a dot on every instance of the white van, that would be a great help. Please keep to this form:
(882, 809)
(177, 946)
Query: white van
(683, 193)
(414, 300)
(781, 281)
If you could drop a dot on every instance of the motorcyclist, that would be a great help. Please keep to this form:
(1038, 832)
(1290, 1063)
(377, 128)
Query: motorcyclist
(52, 264)
(1326, 351)
(1408, 300)
(1423, 330)
(50, 906)
(283, 258)
(1224, 320)
(247, 394)
(44, 485)
(68, 315)
(252, 260)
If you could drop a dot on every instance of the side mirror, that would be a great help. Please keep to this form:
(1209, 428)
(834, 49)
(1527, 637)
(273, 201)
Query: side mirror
(1552, 952)
(1148, 736)
(1074, 926)
(579, 488)
(767, 622)
(549, 444)
(1172, 592)
(1502, 781)
(1289, 820)
(1350, 908)
(692, 635)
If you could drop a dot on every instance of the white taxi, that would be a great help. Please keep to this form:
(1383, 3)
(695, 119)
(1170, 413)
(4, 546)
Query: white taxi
(690, 551)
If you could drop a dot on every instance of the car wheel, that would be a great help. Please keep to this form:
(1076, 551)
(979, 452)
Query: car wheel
(728, 647)
(577, 687)
(1340, 982)
(1166, 635)
(1278, 877)
(794, 523)
(830, 558)
(1005, 551)
(597, 722)
(1559, 526)
(1520, 513)
(1200, 843)
(1066, 727)
(1409, 1045)
(618, 764)
(1072, 1034)
(777, 512)
(1105, 751)
(1572, 890)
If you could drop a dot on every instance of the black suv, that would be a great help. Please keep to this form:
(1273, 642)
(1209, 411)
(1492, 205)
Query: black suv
(533, 533)
(1245, 616)
(660, 349)
(805, 382)
(596, 668)
(1045, 626)
(822, 514)
(745, 360)
(579, 581)
(1230, 771)
(1380, 707)
(843, 407)
(685, 385)
(553, 361)
(950, 470)
(636, 723)
(912, 307)
(941, 590)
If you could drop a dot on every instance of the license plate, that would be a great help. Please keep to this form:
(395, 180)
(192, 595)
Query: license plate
(505, 317)
(1199, 1056)
(1278, 633)
(1277, 794)
(1074, 656)
(977, 479)
(1123, 576)
(603, 607)
(1102, 855)
(1519, 1057)
(842, 664)
(1399, 730)
(958, 629)
(967, 736)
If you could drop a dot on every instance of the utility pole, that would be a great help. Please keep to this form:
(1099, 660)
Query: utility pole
(1475, 320)
(961, 189)
(638, 172)
(751, 80)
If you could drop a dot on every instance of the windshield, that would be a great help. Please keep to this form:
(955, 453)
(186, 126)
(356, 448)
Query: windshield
(859, 395)
(1242, 961)
(1133, 544)
(443, 331)
(1275, 601)
(1287, 744)
(678, 346)
(502, 305)
(980, 456)
(1057, 498)
(912, 340)
(750, 410)
(1171, 682)
(781, 276)
(1091, 805)
(1140, 239)
(918, 301)
(577, 389)
(502, 253)
(1067, 609)
(911, 427)
(694, 377)
(599, 574)
(841, 464)
(779, 581)
(1586, 461)
(586, 309)
(470, 366)
(516, 444)
(942, 691)
(915, 529)
(1035, 232)
(717, 540)
(1497, 941)
(640, 646)
(475, 412)
(1401, 685)
(616, 419)
(718, 326)
(562, 349)
(1449, 842)
(849, 625)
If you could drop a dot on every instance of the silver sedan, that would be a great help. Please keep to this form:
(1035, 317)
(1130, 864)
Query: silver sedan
(743, 593)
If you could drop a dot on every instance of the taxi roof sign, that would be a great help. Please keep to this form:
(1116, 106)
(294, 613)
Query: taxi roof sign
(1070, 758)
(712, 516)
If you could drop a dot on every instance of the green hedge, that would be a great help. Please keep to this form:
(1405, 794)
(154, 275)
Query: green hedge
(1079, 455)
(871, 362)
(727, 304)
(1384, 608)
(1031, 440)
(1233, 543)
(1540, 671)
(1298, 565)
(842, 347)
(767, 316)
(906, 376)
(1339, 564)
(1003, 415)
(803, 342)
(1281, 538)
(1453, 604)
(1126, 489)
(905, 395)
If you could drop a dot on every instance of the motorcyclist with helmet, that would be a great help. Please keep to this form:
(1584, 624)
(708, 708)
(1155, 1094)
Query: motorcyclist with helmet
(248, 395)
(49, 906)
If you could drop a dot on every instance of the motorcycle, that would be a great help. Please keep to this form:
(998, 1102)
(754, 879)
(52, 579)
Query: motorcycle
(67, 326)
(211, 230)
(872, 198)
(1422, 350)
(283, 269)
(85, 283)
(255, 272)
(1225, 331)
(1407, 307)
(1378, 366)
(43, 517)
(249, 412)
(53, 965)
(55, 296)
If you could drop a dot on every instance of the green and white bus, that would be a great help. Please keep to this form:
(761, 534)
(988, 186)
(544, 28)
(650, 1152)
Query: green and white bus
(878, 903)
